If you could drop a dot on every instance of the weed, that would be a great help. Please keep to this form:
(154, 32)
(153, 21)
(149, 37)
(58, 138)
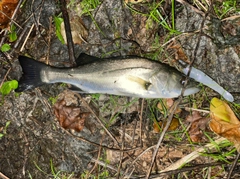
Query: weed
(102, 172)
(55, 174)
(5, 47)
(58, 21)
(53, 99)
(88, 6)
(225, 8)
(220, 155)
(156, 15)
(12, 33)
(4, 131)
(7, 87)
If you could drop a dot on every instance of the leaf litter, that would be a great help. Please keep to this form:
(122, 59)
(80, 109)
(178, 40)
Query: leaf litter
(224, 122)
(115, 31)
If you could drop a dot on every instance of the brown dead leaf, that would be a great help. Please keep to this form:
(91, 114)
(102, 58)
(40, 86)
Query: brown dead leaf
(70, 117)
(78, 29)
(166, 106)
(224, 122)
(70, 113)
(198, 125)
(7, 8)
(174, 125)
(178, 51)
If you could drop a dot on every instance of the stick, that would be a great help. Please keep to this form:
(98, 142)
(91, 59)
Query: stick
(68, 32)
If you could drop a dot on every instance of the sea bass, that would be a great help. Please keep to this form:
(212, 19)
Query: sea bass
(130, 76)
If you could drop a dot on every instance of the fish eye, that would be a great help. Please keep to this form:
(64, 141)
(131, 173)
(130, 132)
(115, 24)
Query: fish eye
(147, 85)
(182, 81)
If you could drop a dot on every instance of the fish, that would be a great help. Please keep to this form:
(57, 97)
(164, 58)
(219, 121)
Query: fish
(125, 76)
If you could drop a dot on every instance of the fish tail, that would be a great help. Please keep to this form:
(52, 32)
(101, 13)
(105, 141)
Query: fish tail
(31, 77)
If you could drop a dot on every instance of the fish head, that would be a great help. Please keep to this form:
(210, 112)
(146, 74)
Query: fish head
(169, 84)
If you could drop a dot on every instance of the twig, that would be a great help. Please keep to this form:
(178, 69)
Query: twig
(176, 103)
(98, 157)
(103, 164)
(28, 34)
(68, 33)
(141, 114)
(190, 6)
(233, 166)
(141, 154)
(184, 169)
(199, 110)
(100, 122)
(121, 153)
(36, 19)
(96, 144)
(49, 39)
(170, 117)
(5, 76)
(21, 36)
(193, 155)
(3, 176)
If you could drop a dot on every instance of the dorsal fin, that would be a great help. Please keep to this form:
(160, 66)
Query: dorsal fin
(84, 59)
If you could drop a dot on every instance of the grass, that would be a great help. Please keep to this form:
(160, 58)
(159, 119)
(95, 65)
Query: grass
(221, 153)
(226, 8)
(54, 174)
(222, 9)
(3, 131)
(157, 16)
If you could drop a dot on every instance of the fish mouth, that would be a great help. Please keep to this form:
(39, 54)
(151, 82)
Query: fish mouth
(189, 91)
(191, 88)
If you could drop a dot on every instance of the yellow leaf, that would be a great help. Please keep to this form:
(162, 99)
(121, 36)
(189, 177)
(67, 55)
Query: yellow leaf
(221, 110)
(174, 125)
(224, 122)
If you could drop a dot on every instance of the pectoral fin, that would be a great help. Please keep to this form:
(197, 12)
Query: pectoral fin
(145, 84)
(76, 89)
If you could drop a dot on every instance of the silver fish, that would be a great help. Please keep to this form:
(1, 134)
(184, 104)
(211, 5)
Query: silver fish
(131, 76)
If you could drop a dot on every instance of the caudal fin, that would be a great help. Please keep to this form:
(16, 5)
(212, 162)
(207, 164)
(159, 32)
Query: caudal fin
(31, 74)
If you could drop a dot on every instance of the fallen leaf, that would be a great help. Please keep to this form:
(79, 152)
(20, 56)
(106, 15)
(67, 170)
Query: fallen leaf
(178, 51)
(78, 29)
(174, 125)
(198, 125)
(166, 106)
(7, 8)
(69, 113)
(224, 122)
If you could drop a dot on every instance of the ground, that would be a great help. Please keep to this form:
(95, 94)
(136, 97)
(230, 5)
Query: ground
(118, 138)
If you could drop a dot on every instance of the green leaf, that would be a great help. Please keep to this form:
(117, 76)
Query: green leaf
(12, 28)
(12, 36)
(8, 86)
(5, 47)
(7, 124)
(58, 22)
